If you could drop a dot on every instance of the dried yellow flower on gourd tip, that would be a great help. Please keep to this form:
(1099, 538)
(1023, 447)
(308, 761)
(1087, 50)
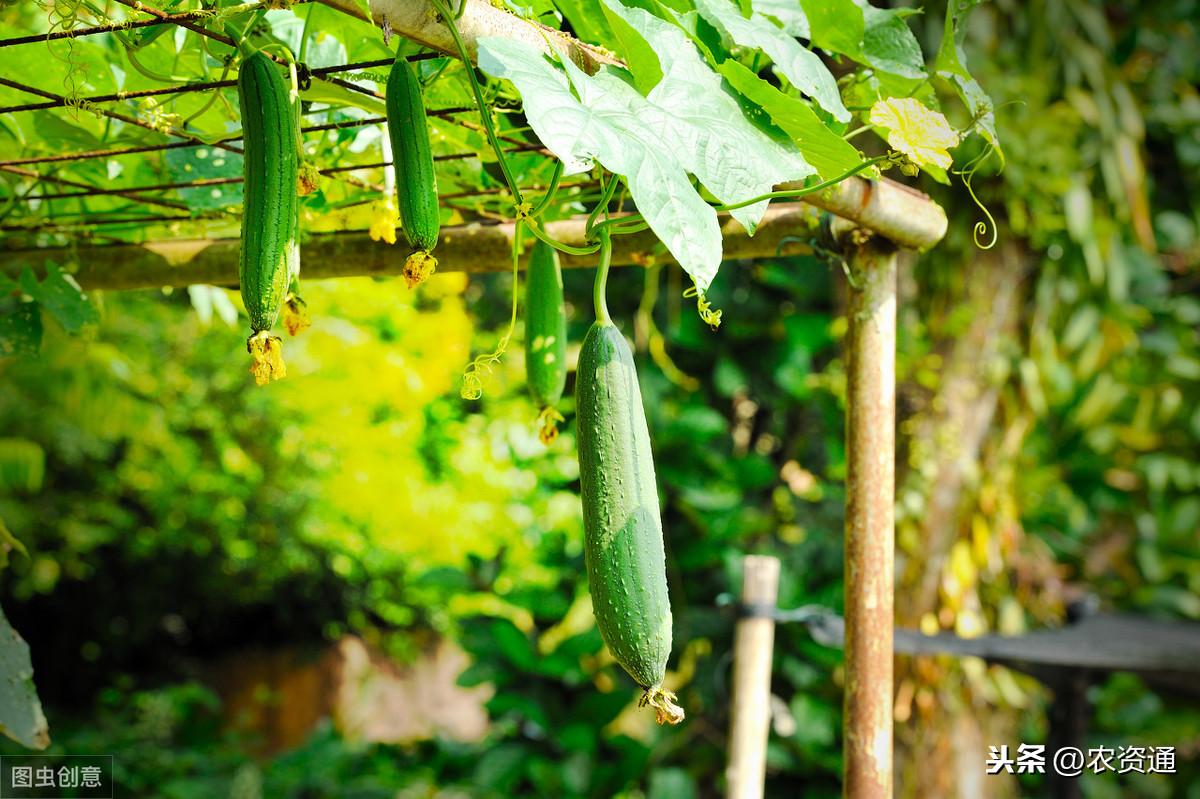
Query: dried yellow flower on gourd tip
(308, 179)
(663, 702)
(920, 133)
(419, 266)
(266, 352)
(548, 421)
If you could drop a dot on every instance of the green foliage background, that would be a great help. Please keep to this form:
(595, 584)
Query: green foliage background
(183, 512)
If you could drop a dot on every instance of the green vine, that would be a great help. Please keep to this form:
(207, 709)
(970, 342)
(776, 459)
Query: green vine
(967, 173)
(472, 379)
(484, 114)
(600, 286)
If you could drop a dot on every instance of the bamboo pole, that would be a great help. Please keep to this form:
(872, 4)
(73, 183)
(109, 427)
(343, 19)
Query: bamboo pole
(870, 518)
(479, 248)
(899, 213)
(754, 640)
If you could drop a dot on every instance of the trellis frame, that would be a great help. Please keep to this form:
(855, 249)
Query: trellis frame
(880, 217)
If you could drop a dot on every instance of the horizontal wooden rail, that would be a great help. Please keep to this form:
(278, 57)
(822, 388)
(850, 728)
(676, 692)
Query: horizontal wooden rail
(476, 247)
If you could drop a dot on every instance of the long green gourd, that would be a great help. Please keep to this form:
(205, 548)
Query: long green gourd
(622, 529)
(545, 337)
(270, 214)
(416, 187)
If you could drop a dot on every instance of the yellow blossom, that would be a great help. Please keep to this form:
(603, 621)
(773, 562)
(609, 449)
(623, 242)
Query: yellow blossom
(308, 180)
(383, 221)
(266, 351)
(548, 419)
(295, 314)
(923, 135)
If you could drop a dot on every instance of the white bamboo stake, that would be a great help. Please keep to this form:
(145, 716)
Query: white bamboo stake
(754, 641)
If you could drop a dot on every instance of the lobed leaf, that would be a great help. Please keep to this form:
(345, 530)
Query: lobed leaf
(799, 65)
(688, 124)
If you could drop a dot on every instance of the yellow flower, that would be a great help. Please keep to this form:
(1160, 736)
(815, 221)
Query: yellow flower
(295, 314)
(266, 352)
(308, 180)
(923, 135)
(383, 221)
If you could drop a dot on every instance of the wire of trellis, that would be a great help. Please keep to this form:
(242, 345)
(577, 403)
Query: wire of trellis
(114, 115)
(579, 184)
(131, 193)
(225, 40)
(150, 148)
(447, 112)
(130, 95)
(206, 182)
(165, 16)
(188, 20)
(200, 86)
(55, 227)
(123, 25)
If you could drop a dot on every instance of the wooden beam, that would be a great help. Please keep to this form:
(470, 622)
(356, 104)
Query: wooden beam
(902, 215)
(478, 248)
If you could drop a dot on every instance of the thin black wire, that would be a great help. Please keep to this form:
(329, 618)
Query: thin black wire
(185, 20)
(207, 182)
(149, 148)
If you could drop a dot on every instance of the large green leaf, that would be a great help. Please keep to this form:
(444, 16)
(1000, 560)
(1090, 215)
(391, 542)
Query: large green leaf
(604, 123)
(21, 716)
(889, 44)
(829, 153)
(587, 20)
(20, 322)
(875, 36)
(655, 141)
(643, 63)
(711, 136)
(788, 13)
(206, 163)
(951, 64)
(60, 296)
(799, 65)
(324, 48)
(836, 25)
(22, 466)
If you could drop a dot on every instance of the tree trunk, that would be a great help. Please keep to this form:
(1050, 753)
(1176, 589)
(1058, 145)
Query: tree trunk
(941, 753)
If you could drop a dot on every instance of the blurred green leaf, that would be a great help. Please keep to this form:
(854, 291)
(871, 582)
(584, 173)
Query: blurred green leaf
(21, 716)
(60, 296)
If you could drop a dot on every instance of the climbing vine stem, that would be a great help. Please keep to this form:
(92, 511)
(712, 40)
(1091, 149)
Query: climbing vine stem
(967, 173)
(484, 115)
(600, 287)
(607, 189)
(551, 190)
(472, 379)
(540, 232)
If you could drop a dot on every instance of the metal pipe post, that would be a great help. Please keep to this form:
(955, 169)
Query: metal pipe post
(870, 517)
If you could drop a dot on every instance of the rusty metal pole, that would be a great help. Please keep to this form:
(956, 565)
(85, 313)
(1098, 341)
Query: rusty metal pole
(870, 517)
